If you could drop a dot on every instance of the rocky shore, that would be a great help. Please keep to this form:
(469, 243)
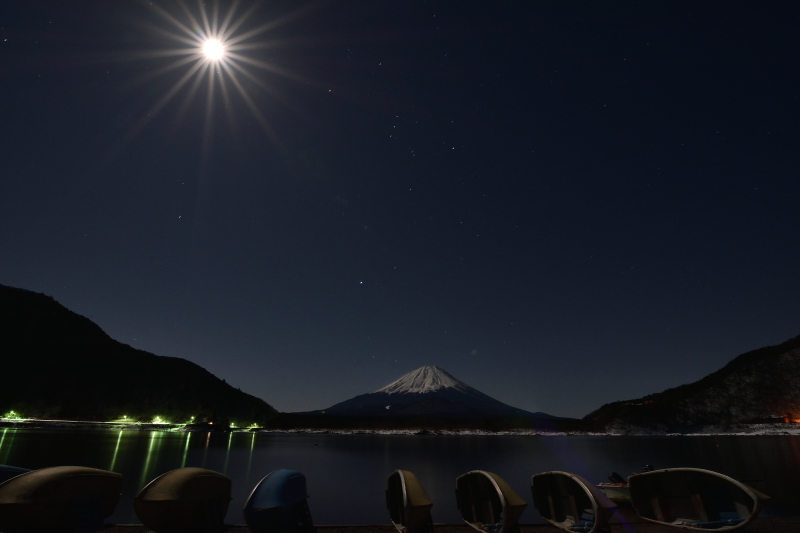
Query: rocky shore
(741, 430)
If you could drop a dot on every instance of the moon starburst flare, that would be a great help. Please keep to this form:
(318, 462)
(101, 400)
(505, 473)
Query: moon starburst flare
(213, 49)
(218, 49)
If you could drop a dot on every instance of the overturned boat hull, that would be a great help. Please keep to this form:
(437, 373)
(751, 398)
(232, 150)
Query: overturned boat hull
(68, 498)
(278, 504)
(184, 500)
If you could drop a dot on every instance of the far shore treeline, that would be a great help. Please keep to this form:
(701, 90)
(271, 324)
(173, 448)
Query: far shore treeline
(58, 365)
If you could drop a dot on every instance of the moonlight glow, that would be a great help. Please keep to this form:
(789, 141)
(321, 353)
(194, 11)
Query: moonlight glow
(213, 49)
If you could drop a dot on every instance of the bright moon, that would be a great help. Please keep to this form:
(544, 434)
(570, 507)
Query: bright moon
(213, 49)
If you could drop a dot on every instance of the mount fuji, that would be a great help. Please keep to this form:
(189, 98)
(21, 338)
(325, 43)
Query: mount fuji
(428, 392)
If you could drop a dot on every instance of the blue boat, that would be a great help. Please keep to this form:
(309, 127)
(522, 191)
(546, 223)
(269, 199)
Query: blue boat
(8, 471)
(278, 504)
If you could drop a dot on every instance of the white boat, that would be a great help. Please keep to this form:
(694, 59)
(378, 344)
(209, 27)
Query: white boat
(619, 493)
(694, 499)
(570, 502)
(408, 503)
(487, 503)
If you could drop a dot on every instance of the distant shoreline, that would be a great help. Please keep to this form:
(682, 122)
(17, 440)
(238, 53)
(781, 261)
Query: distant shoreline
(741, 430)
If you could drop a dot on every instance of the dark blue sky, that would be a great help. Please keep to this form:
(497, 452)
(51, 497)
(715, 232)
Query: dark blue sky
(562, 204)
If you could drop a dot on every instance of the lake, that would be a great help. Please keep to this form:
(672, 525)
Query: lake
(347, 473)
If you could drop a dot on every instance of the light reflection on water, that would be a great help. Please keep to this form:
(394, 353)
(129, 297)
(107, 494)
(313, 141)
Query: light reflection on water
(9, 445)
(186, 449)
(154, 436)
(2, 440)
(227, 454)
(347, 473)
(116, 451)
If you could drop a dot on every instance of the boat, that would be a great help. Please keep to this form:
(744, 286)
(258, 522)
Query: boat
(70, 498)
(8, 471)
(278, 504)
(617, 490)
(619, 493)
(570, 502)
(694, 499)
(487, 503)
(184, 500)
(408, 504)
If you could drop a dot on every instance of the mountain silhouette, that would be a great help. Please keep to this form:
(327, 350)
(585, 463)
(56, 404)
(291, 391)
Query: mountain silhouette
(428, 391)
(762, 385)
(60, 365)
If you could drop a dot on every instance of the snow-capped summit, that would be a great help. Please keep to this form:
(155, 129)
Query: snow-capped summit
(425, 379)
(428, 392)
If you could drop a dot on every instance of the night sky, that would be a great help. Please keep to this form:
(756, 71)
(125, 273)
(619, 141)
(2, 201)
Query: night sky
(562, 204)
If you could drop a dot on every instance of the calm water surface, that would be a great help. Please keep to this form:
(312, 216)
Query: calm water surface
(347, 473)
